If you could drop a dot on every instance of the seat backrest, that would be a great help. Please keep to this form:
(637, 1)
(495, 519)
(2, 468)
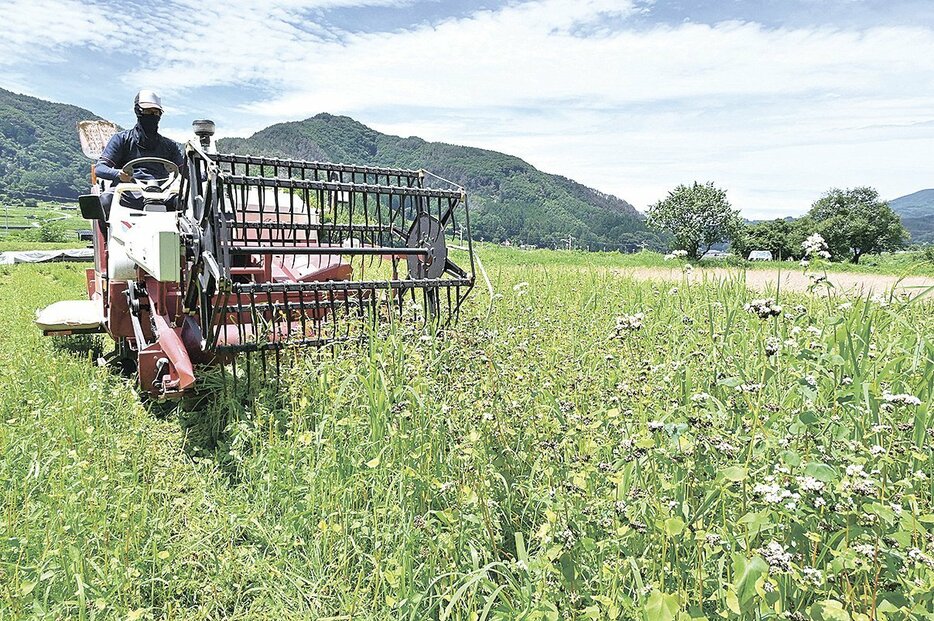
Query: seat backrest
(94, 136)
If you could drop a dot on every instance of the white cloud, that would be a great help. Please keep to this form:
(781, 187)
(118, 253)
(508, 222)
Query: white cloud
(38, 30)
(774, 115)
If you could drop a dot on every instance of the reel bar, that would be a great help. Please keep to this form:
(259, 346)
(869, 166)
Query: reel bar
(349, 285)
(413, 177)
(337, 186)
(278, 346)
(319, 228)
(327, 250)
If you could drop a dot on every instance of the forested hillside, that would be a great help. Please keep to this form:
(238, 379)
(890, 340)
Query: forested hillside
(917, 212)
(40, 155)
(510, 199)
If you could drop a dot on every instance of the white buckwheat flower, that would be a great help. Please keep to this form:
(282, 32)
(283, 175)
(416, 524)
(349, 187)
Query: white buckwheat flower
(815, 245)
(776, 556)
(916, 555)
(814, 576)
(902, 399)
(855, 470)
(810, 484)
(773, 345)
(629, 322)
(764, 308)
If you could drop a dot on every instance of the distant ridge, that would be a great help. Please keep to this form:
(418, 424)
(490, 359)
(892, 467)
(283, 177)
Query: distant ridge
(510, 198)
(917, 212)
(39, 149)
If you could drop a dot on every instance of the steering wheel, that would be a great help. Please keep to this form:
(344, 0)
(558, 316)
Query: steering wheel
(170, 167)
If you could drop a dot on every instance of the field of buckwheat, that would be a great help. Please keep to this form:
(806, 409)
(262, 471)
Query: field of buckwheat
(579, 446)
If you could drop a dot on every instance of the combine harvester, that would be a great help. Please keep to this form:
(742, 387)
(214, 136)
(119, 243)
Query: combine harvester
(237, 254)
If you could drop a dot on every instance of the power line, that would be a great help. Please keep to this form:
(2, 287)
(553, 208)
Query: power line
(39, 195)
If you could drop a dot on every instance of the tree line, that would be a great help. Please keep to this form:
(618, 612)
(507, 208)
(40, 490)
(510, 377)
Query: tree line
(853, 222)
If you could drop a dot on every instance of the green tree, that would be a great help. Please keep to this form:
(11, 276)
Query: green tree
(856, 221)
(698, 216)
(53, 232)
(782, 237)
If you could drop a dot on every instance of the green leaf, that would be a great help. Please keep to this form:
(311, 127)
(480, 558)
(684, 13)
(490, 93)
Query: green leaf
(820, 471)
(909, 523)
(521, 553)
(734, 473)
(885, 513)
(674, 526)
(808, 417)
(829, 610)
(791, 459)
(732, 602)
(903, 538)
(756, 522)
(662, 607)
(746, 572)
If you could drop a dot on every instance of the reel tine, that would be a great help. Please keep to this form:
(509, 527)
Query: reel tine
(249, 372)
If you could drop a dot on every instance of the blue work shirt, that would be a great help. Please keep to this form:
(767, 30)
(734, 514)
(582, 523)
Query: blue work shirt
(126, 146)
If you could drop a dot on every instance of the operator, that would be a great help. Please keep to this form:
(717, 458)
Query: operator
(143, 140)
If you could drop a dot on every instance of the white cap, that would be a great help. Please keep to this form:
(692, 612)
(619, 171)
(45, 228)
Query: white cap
(148, 99)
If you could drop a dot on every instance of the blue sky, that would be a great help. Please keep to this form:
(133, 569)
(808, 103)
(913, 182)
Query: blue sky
(774, 100)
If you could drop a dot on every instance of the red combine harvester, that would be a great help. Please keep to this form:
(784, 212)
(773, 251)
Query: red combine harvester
(238, 254)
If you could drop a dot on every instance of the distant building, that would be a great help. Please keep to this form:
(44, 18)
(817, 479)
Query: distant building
(760, 255)
(85, 235)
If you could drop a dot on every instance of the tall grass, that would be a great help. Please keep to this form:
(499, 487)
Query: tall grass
(534, 462)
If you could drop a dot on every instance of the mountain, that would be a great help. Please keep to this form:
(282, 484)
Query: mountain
(917, 212)
(40, 157)
(509, 198)
(39, 149)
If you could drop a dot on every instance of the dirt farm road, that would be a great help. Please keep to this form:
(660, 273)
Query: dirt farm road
(794, 280)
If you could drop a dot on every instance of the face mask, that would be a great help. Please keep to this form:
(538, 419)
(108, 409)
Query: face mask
(149, 123)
